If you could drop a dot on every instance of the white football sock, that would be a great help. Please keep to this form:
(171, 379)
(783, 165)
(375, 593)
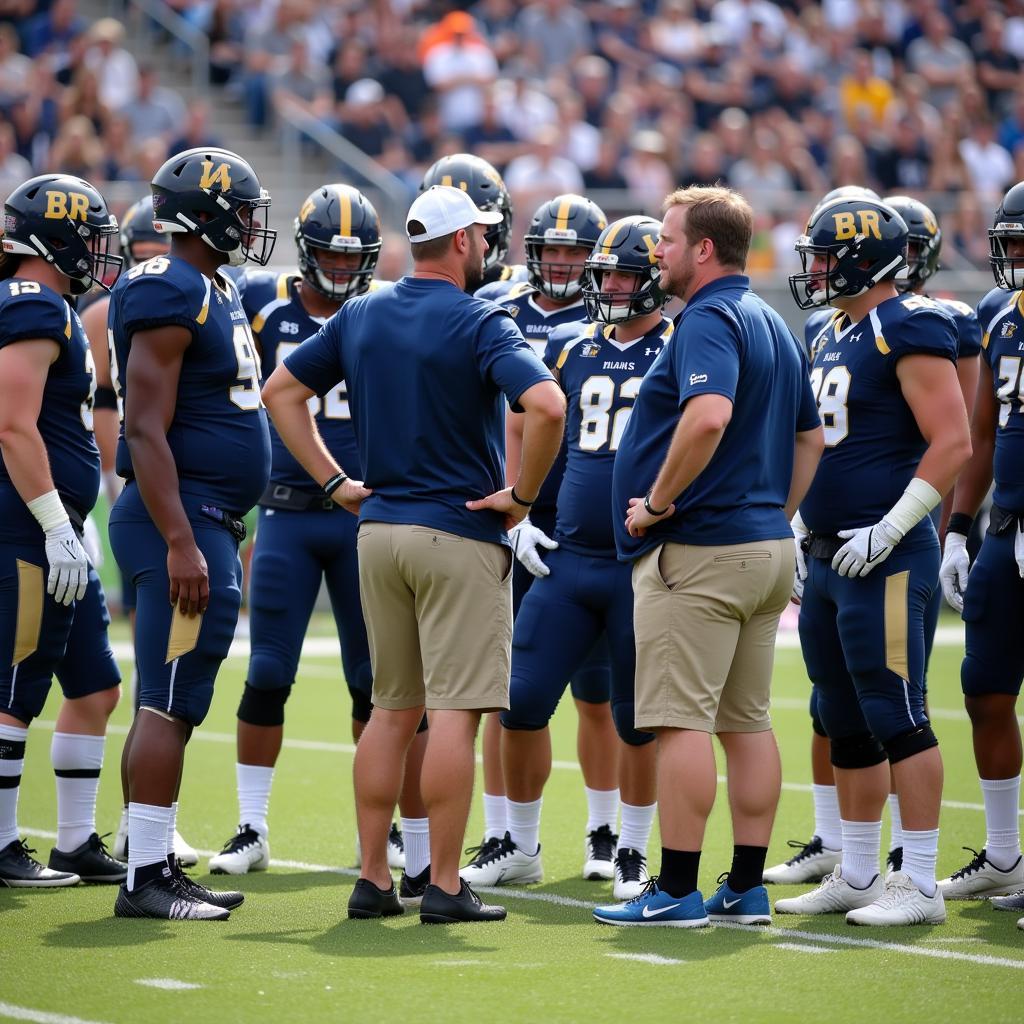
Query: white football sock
(1002, 821)
(12, 764)
(416, 836)
(172, 824)
(254, 782)
(861, 840)
(920, 851)
(827, 826)
(495, 816)
(147, 837)
(602, 808)
(524, 824)
(637, 821)
(896, 828)
(76, 761)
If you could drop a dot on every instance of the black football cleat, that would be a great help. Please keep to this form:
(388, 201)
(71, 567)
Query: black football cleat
(164, 899)
(90, 862)
(439, 907)
(411, 890)
(368, 901)
(228, 899)
(20, 870)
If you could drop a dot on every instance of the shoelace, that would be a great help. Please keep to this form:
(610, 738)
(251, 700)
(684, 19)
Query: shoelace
(630, 864)
(811, 848)
(25, 851)
(975, 865)
(486, 852)
(895, 891)
(245, 836)
(649, 889)
(602, 843)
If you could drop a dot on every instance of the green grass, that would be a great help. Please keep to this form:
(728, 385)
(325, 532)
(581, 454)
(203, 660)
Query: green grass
(291, 954)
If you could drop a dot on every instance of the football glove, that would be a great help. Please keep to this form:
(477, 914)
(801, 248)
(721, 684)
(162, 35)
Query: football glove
(954, 569)
(800, 574)
(865, 548)
(1018, 548)
(525, 538)
(69, 565)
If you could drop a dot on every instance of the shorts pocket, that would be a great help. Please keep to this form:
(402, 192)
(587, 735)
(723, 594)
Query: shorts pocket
(668, 566)
(741, 557)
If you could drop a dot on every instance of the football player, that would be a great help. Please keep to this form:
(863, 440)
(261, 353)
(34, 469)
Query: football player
(896, 435)
(302, 540)
(560, 238)
(56, 244)
(195, 454)
(486, 188)
(991, 598)
(585, 592)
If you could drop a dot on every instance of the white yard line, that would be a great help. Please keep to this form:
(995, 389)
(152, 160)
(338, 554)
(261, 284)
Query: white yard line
(168, 984)
(12, 1012)
(802, 948)
(645, 958)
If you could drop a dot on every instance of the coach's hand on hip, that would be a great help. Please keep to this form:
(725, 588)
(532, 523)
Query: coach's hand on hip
(642, 515)
(350, 495)
(502, 501)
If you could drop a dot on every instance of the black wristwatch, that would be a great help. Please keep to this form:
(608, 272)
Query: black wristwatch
(653, 511)
(330, 486)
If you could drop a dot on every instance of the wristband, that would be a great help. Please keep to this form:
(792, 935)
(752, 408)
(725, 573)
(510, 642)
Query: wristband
(334, 483)
(653, 511)
(518, 500)
(960, 522)
(48, 511)
(915, 503)
(105, 398)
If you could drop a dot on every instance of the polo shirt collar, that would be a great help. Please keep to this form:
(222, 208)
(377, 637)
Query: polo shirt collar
(720, 284)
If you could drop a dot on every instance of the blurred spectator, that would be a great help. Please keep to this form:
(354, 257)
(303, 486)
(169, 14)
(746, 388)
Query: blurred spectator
(350, 65)
(714, 82)
(949, 172)
(862, 90)
(760, 172)
(82, 98)
(737, 16)
(224, 22)
(541, 171)
(553, 33)
(195, 128)
(498, 20)
(267, 51)
(646, 171)
(400, 71)
(618, 36)
(118, 150)
(362, 119)
(969, 229)
(115, 69)
(989, 166)
(706, 164)
(14, 169)
(77, 150)
(592, 76)
(15, 67)
(581, 142)
(492, 139)
(523, 107)
(51, 33)
(941, 60)
(158, 111)
(1011, 130)
(905, 165)
(36, 116)
(999, 71)
(301, 85)
(605, 174)
(460, 69)
(675, 33)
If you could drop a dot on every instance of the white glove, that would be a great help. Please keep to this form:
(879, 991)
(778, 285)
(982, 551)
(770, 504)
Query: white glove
(69, 565)
(799, 535)
(92, 543)
(954, 569)
(524, 538)
(1018, 549)
(865, 548)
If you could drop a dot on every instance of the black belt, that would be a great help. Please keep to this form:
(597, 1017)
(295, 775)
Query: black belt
(289, 499)
(823, 545)
(1002, 520)
(76, 517)
(234, 526)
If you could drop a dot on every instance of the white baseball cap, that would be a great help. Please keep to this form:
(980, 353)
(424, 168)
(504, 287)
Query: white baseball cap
(443, 210)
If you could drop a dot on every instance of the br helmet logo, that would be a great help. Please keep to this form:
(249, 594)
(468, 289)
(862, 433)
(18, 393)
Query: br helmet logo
(66, 205)
(846, 224)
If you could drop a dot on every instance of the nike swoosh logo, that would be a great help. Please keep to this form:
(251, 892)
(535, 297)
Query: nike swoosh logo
(728, 904)
(661, 910)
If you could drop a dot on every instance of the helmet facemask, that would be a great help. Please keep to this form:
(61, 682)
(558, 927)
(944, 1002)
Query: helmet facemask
(1007, 270)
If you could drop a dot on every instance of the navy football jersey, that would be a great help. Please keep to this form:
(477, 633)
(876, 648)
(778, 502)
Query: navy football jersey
(813, 326)
(1003, 350)
(219, 435)
(968, 329)
(600, 377)
(991, 303)
(872, 442)
(30, 310)
(280, 323)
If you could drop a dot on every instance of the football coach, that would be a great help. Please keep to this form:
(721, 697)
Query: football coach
(429, 369)
(721, 446)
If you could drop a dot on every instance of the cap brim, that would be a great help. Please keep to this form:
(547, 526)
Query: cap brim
(489, 217)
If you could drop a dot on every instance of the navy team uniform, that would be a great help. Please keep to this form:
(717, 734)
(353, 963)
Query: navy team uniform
(589, 593)
(35, 631)
(303, 537)
(863, 639)
(994, 602)
(221, 446)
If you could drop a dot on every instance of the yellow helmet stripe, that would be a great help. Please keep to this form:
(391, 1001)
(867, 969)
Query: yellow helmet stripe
(345, 203)
(562, 216)
(614, 233)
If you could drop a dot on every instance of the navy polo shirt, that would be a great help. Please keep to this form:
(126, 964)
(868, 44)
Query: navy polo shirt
(727, 342)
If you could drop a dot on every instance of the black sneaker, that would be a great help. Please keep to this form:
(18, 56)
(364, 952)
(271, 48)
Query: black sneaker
(228, 899)
(163, 898)
(438, 907)
(90, 862)
(894, 860)
(19, 869)
(411, 890)
(367, 901)
(599, 854)
(1014, 901)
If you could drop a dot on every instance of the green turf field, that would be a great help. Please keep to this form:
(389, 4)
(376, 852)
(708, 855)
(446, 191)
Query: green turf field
(291, 954)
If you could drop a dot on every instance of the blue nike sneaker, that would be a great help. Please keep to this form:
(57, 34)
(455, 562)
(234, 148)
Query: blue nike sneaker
(654, 907)
(750, 907)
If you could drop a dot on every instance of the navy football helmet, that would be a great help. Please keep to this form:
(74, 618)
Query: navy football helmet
(65, 221)
(1009, 224)
(847, 192)
(626, 244)
(137, 226)
(485, 187)
(215, 195)
(568, 220)
(924, 240)
(337, 218)
(862, 241)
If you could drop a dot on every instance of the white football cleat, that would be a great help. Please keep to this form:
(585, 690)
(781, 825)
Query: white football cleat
(631, 875)
(901, 904)
(599, 855)
(245, 851)
(504, 864)
(185, 853)
(811, 863)
(980, 879)
(834, 896)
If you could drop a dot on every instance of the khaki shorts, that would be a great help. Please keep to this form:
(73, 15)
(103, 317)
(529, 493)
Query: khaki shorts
(705, 621)
(438, 612)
